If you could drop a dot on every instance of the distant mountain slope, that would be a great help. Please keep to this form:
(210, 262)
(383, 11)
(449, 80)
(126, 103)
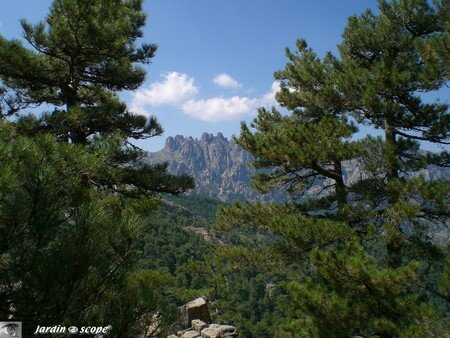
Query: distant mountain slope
(221, 168)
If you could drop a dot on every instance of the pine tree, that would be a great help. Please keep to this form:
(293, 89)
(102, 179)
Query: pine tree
(368, 264)
(385, 72)
(317, 133)
(80, 57)
(66, 250)
(73, 188)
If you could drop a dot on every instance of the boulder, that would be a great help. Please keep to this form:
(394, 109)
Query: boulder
(196, 309)
(198, 325)
(219, 331)
(190, 334)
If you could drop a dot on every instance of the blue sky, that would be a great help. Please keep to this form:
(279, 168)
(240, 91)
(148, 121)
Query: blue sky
(216, 59)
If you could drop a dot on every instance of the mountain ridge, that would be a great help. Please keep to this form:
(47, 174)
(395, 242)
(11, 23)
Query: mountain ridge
(221, 168)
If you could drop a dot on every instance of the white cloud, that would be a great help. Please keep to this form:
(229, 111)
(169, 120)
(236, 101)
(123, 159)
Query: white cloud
(269, 98)
(179, 90)
(226, 81)
(175, 89)
(219, 108)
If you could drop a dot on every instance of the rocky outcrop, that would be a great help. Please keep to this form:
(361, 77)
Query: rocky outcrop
(203, 330)
(219, 166)
(207, 234)
(196, 320)
(175, 208)
(218, 331)
(196, 309)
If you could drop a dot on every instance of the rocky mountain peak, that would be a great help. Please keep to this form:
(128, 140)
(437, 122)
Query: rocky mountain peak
(220, 167)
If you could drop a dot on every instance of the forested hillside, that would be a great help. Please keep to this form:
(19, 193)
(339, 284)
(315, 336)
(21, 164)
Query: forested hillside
(242, 285)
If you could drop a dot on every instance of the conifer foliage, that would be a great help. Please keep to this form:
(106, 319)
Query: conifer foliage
(73, 189)
(66, 249)
(78, 59)
(369, 266)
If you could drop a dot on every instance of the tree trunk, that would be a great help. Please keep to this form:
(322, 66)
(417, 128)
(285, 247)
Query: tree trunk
(391, 140)
(76, 135)
(341, 192)
(394, 245)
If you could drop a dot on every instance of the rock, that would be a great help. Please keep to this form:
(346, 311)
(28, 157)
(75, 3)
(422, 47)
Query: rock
(196, 319)
(219, 331)
(196, 309)
(219, 166)
(270, 289)
(198, 325)
(221, 170)
(175, 208)
(207, 234)
(190, 334)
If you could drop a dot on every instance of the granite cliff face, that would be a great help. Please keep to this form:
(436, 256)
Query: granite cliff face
(220, 167)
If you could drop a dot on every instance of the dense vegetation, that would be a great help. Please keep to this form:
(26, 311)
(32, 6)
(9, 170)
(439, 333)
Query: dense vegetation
(74, 192)
(244, 288)
(82, 239)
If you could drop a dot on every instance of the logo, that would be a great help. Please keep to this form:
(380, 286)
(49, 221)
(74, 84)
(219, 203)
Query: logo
(10, 329)
(73, 329)
(58, 329)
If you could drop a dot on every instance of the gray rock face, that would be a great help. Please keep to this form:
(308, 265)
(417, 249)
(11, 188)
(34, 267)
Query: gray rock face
(219, 331)
(190, 334)
(220, 167)
(198, 325)
(196, 309)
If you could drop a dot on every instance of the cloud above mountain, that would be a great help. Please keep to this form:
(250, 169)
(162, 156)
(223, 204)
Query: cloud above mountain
(179, 90)
(174, 89)
(220, 108)
(226, 81)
